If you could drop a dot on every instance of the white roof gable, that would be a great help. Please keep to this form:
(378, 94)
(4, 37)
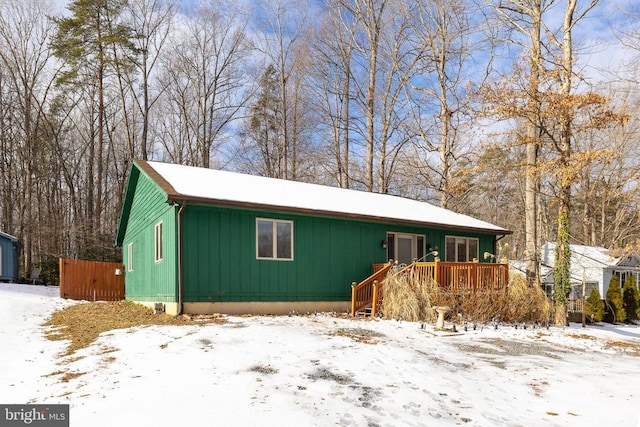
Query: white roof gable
(222, 186)
(588, 262)
(630, 260)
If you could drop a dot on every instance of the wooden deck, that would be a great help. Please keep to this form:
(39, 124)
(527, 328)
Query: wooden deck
(455, 277)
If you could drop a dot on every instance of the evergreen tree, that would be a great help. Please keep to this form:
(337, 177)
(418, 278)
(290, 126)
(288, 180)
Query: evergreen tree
(629, 298)
(94, 43)
(264, 126)
(638, 304)
(593, 306)
(614, 301)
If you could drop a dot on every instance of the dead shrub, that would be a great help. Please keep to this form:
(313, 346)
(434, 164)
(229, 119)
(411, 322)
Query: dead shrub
(407, 298)
(527, 304)
(412, 300)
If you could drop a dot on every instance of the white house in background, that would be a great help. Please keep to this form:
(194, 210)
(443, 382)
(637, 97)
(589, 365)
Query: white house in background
(593, 264)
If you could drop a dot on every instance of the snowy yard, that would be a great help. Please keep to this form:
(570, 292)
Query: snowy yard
(320, 370)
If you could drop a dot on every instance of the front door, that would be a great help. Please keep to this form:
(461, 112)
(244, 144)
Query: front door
(405, 249)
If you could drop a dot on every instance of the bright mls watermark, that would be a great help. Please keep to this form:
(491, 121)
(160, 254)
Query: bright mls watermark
(34, 415)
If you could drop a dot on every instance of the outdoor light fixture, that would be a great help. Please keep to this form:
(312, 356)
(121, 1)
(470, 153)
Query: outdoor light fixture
(384, 244)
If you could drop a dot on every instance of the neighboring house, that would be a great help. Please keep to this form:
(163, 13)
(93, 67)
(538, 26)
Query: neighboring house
(592, 264)
(202, 240)
(9, 251)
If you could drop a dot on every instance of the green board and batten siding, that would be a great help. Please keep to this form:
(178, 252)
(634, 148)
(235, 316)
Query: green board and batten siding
(220, 263)
(149, 279)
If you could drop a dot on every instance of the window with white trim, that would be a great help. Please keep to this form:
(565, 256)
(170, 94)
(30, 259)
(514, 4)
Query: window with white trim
(274, 239)
(461, 249)
(130, 257)
(158, 242)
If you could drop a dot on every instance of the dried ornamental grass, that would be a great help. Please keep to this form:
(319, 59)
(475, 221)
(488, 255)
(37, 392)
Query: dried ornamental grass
(412, 300)
(527, 303)
(407, 298)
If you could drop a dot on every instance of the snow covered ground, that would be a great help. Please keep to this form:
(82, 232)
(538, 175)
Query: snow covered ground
(320, 370)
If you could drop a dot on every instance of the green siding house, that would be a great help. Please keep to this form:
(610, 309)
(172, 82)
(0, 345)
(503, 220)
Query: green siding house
(200, 240)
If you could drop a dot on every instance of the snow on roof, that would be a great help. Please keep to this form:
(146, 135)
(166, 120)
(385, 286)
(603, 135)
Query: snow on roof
(223, 186)
(586, 256)
(519, 267)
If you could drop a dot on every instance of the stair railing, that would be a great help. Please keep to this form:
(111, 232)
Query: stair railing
(362, 293)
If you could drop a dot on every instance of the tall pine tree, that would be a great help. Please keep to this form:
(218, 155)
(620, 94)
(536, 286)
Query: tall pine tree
(94, 43)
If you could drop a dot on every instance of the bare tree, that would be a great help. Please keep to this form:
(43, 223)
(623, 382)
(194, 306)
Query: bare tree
(370, 17)
(152, 20)
(441, 104)
(284, 29)
(569, 112)
(25, 85)
(331, 77)
(526, 18)
(204, 79)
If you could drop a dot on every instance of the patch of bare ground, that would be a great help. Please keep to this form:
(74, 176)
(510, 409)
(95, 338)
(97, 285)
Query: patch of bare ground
(328, 375)
(582, 337)
(361, 335)
(263, 369)
(68, 376)
(81, 324)
(628, 347)
(632, 348)
(65, 375)
(539, 387)
(502, 347)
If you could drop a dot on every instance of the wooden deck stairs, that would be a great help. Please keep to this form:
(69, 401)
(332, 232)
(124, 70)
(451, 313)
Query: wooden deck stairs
(366, 296)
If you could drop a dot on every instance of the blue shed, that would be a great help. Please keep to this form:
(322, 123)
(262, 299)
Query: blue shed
(9, 250)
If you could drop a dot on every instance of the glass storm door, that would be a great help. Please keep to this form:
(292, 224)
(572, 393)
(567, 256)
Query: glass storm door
(405, 249)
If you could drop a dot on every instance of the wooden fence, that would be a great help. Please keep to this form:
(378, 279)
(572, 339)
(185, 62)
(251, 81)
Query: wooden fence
(91, 280)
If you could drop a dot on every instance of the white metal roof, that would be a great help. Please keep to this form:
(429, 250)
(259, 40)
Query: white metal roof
(581, 256)
(217, 185)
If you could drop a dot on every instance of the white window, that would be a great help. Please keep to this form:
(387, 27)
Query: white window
(274, 239)
(158, 242)
(461, 249)
(130, 257)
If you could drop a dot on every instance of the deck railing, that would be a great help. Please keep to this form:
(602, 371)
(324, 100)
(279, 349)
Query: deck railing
(452, 276)
(471, 276)
(575, 305)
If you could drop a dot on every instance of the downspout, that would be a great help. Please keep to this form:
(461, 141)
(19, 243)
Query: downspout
(180, 284)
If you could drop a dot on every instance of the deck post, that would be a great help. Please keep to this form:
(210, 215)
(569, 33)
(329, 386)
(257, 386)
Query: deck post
(353, 298)
(374, 299)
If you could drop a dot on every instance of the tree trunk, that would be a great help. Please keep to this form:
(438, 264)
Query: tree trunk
(532, 177)
(562, 266)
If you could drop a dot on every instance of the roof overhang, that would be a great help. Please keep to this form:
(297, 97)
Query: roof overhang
(174, 196)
